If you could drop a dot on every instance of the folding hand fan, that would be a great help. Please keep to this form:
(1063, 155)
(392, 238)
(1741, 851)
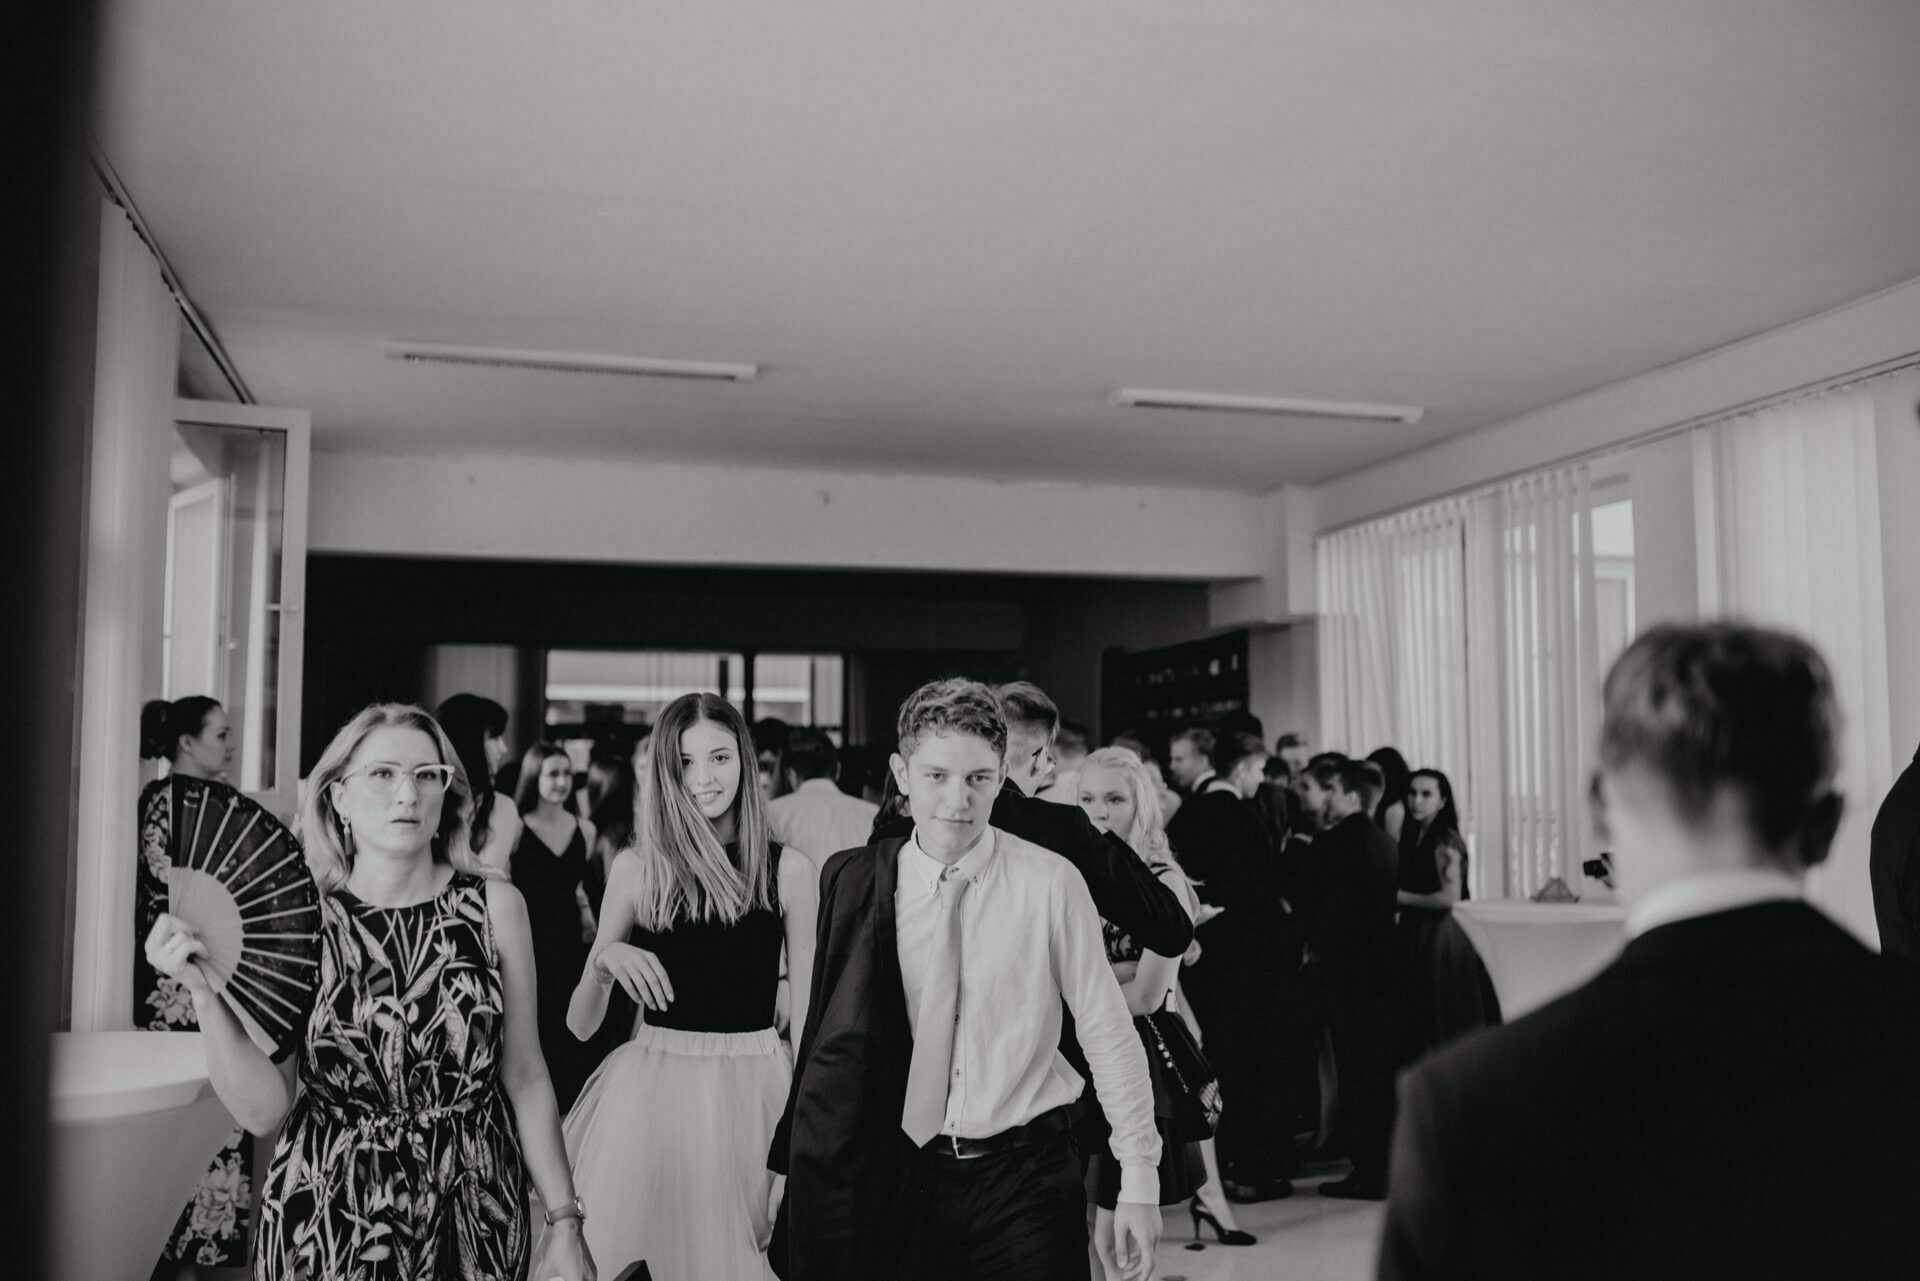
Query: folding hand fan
(240, 879)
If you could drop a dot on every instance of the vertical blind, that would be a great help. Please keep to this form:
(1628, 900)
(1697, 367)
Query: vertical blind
(1787, 517)
(1393, 641)
(1546, 656)
(1463, 633)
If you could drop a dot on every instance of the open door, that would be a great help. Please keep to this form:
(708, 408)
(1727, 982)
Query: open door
(236, 581)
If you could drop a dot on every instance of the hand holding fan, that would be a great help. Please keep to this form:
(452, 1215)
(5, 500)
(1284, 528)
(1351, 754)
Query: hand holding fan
(240, 880)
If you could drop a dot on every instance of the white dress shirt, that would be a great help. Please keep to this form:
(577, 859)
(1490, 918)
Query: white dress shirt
(1029, 937)
(1704, 893)
(820, 820)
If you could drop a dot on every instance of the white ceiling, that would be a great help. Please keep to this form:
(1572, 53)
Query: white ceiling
(949, 231)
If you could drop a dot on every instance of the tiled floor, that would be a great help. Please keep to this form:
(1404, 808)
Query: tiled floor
(1307, 1237)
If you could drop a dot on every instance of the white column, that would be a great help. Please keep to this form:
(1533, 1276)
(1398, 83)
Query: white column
(136, 366)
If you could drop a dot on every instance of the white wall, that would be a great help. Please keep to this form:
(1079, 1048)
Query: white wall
(566, 509)
(1860, 335)
(136, 357)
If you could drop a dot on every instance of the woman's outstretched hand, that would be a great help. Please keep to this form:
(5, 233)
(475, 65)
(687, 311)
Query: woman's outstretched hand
(637, 971)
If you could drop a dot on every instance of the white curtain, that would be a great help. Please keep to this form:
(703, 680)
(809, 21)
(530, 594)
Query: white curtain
(1393, 640)
(1787, 512)
(1547, 682)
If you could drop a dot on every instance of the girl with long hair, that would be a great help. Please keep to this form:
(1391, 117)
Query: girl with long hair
(549, 868)
(1390, 813)
(1444, 986)
(477, 728)
(1119, 795)
(423, 1107)
(672, 1130)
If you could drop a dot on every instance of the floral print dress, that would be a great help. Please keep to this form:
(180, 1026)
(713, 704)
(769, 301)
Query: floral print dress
(400, 1161)
(213, 1227)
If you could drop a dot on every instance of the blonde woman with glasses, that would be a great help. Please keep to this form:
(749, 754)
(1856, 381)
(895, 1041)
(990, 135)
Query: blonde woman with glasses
(423, 1105)
(671, 1133)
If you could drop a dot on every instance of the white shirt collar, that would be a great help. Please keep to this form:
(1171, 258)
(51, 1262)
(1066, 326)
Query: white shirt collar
(816, 785)
(928, 869)
(1705, 893)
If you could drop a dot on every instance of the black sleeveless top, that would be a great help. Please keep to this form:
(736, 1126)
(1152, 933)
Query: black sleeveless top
(1419, 861)
(725, 974)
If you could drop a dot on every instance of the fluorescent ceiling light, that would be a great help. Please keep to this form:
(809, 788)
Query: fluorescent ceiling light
(570, 362)
(1286, 406)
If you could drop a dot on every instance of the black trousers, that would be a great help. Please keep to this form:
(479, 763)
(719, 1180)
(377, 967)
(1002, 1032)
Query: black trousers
(1247, 1023)
(1009, 1216)
(1360, 1010)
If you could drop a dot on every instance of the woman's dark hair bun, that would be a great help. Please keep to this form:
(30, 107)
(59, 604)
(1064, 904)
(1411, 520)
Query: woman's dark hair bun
(163, 723)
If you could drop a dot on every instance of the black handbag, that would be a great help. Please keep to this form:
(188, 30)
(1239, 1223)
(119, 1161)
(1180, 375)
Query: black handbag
(1182, 1075)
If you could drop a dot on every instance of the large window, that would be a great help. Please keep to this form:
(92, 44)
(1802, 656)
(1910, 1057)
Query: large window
(800, 689)
(632, 687)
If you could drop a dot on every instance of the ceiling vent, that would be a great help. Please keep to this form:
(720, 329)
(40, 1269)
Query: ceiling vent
(570, 362)
(1281, 406)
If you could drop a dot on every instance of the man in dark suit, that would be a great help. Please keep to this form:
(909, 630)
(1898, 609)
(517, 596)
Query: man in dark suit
(1896, 866)
(1357, 871)
(1242, 987)
(990, 1186)
(1735, 1095)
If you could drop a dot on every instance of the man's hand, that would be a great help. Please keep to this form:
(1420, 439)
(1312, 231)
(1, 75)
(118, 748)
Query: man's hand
(1125, 1239)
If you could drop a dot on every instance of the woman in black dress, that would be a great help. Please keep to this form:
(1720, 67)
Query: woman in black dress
(611, 796)
(549, 865)
(195, 738)
(422, 1112)
(1445, 989)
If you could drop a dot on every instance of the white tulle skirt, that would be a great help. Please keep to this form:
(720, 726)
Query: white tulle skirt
(668, 1143)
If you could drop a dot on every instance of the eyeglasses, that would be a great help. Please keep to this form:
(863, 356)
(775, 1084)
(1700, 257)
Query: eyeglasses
(383, 779)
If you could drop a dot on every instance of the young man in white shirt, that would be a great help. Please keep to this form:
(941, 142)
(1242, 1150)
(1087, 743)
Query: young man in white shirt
(929, 1131)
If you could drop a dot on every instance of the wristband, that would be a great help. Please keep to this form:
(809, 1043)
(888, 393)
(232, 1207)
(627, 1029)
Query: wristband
(566, 1210)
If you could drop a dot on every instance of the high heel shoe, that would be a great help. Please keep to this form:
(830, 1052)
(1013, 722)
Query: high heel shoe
(1227, 1236)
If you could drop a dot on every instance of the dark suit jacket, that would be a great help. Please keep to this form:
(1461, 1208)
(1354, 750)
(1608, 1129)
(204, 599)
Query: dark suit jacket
(1223, 844)
(1358, 870)
(839, 1143)
(1733, 1097)
(1896, 866)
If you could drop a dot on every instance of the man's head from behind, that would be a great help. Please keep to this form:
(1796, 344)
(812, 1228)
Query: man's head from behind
(1718, 748)
(1071, 744)
(953, 744)
(810, 754)
(1031, 720)
(1190, 756)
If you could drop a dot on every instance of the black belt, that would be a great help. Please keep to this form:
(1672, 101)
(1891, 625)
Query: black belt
(1043, 1127)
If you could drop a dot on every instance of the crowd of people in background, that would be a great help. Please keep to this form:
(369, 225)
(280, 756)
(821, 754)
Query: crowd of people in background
(985, 1012)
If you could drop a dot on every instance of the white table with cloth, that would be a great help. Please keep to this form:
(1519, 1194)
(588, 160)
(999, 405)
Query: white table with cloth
(1535, 952)
(134, 1123)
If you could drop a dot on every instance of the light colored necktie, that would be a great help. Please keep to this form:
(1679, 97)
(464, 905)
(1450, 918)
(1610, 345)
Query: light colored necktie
(926, 1105)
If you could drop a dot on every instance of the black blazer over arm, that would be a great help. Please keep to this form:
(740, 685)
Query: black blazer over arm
(839, 1141)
